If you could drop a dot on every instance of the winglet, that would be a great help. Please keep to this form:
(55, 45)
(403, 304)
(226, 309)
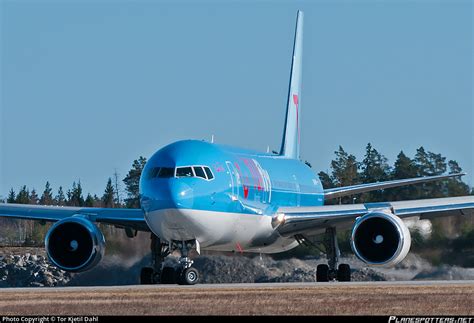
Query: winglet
(290, 146)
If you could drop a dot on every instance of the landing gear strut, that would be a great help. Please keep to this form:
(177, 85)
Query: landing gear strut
(331, 271)
(184, 274)
(155, 273)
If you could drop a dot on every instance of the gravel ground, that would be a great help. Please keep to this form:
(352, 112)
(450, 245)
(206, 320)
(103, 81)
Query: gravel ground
(29, 267)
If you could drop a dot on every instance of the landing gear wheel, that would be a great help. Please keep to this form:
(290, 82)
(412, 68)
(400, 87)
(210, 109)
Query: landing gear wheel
(344, 273)
(168, 275)
(322, 273)
(146, 276)
(188, 276)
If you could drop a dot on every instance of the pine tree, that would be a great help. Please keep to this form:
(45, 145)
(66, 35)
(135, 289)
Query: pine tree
(47, 196)
(97, 201)
(455, 186)
(25, 227)
(60, 199)
(74, 196)
(23, 196)
(109, 194)
(374, 166)
(33, 197)
(11, 196)
(374, 169)
(430, 164)
(69, 199)
(326, 180)
(403, 168)
(344, 169)
(438, 163)
(132, 181)
(422, 162)
(89, 202)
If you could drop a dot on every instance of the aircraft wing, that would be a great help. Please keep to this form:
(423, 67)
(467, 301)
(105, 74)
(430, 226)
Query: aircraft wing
(290, 221)
(361, 188)
(131, 218)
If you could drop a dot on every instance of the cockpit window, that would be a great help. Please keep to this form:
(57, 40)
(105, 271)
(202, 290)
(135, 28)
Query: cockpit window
(208, 173)
(161, 172)
(184, 172)
(166, 172)
(199, 172)
(152, 173)
(203, 172)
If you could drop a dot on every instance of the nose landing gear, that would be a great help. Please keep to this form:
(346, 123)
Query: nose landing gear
(183, 274)
(188, 276)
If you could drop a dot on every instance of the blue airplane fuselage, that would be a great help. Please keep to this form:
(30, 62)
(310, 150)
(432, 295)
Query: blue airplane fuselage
(242, 184)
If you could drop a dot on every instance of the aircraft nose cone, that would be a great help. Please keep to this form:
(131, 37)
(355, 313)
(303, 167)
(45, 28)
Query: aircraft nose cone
(181, 194)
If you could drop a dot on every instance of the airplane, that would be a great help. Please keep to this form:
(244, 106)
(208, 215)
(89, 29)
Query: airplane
(197, 195)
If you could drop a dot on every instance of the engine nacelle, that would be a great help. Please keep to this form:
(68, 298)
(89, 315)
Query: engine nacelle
(380, 238)
(75, 244)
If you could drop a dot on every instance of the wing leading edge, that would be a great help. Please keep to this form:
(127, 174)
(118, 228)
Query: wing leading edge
(310, 220)
(361, 188)
(132, 218)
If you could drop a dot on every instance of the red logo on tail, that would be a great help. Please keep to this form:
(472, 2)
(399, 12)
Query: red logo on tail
(295, 99)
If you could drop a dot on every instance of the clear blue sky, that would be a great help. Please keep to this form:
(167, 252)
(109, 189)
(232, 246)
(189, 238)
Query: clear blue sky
(87, 87)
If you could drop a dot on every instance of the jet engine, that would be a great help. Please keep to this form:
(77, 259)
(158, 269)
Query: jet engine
(75, 244)
(380, 238)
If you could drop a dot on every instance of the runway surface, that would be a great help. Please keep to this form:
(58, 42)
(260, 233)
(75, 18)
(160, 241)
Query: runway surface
(381, 298)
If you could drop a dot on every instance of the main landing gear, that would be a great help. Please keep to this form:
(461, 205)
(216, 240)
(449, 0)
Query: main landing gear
(331, 271)
(183, 274)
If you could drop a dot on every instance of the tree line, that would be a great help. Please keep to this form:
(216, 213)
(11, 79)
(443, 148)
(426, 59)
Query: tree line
(346, 171)
(74, 196)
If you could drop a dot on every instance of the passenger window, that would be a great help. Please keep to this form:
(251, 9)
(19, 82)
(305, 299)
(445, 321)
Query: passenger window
(208, 173)
(184, 172)
(166, 172)
(199, 172)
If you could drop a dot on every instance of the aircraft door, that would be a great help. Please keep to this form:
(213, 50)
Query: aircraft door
(234, 179)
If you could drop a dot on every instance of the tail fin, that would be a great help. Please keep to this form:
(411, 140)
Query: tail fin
(290, 146)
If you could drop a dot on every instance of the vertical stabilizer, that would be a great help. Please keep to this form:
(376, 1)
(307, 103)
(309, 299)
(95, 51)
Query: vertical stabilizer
(290, 146)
